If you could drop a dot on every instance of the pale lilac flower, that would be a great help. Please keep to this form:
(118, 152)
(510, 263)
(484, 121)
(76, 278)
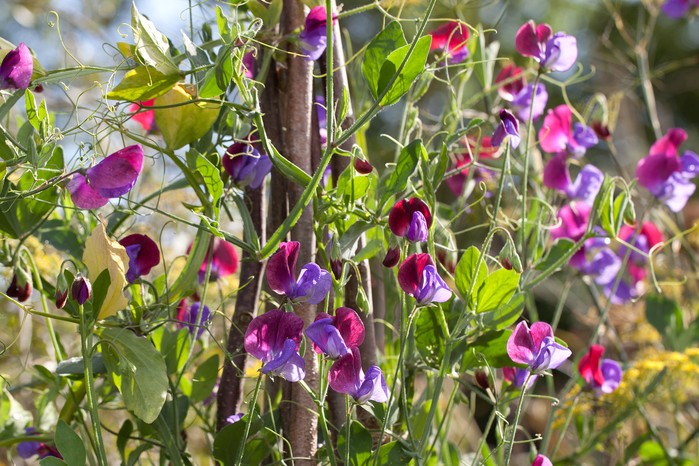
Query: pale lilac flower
(246, 165)
(522, 102)
(536, 347)
(314, 38)
(418, 277)
(410, 218)
(346, 376)
(16, 68)
(335, 335)
(558, 133)
(451, 38)
(602, 375)
(143, 255)
(556, 52)
(313, 283)
(233, 418)
(508, 127)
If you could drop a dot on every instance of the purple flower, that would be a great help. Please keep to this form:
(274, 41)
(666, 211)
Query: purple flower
(517, 376)
(522, 102)
(81, 289)
(574, 218)
(335, 336)
(541, 460)
(248, 65)
(187, 316)
(558, 134)
(143, 255)
(274, 339)
(313, 37)
(666, 174)
(233, 418)
(313, 282)
(28, 449)
(509, 126)
(112, 177)
(678, 8)
(245, 165)
(223, 259)
(410, 218)
(451, 37)
(536, 347)
(586, 186)
(603, 375)
(16, 68)
(418, 277)
(346, 376)
(648, 236)
(555, 52)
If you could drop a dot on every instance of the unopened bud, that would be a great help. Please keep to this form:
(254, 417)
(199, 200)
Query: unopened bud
(601, 130)
(81, 289)
(336, 267)
(363, 166)
(61, 290)
(20, 287)
(392, 257)
(482, 379)
(509, 259)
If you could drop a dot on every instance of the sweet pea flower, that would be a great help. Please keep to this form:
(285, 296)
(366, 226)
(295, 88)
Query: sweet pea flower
(555, 52)
(603, 375)
(20, 286)
(648, 236)
(274, 338)
(246, 165)
(248, 64)
(16, 68)
(313, 283)
(574, 218)
(536, 347)
(143, 255)
(28, 449)
(586, 186)
(335, 335)
(508, 127)
(187, 316)
(541, 460)
(233, 418)
(392, 257)
(517, 376)
(451, 38)
(144, 118)
(678, 8)
(418, 277)
(112, 177)
(313, 38)
(512, 82)
(346, 376)
(410, 218)
(221, 260)
(558, 133)
(485, 150)
(666, 174)
(522, 103)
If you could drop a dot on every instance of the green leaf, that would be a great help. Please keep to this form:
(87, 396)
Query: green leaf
(52, 461)
(350, 237)
(212, 178)
(151, 45)
(100, 289)
(560, 248)
(387, 41)
(138, 371)
(70, 445)
(492, 347)
(204, 380)
(228, 440)
(407, 163)
(394, 453)
(497, 289)
(359, 446)
(484, 59)
(430, 335)
(504, 316)
(412, 69)
(466, 276)
(182, 120)
(143, 83)
(175, 349)
(219, 77)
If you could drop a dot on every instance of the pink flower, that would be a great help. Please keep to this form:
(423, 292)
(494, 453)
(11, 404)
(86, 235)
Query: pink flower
(451, 37)
(536, 347)
(558, 134)
(556, 52)
(603, 375)
(346, 376)
(16, 68)
(144, 118)
(223, 259)
(313, 283)
(314, 38)
(541, 460)
(335, 335)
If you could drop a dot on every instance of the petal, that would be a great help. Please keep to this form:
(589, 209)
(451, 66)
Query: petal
(556, 174)
(16, 68)
(188, 318)
(652, 233)
(327, 338)
(539, 332)
(675, 192)
(432, 288)
(541, 460)
(527, 41)
(550, 356)
(587, 184)
(267, 333)
(392, 257)
(373, 387)
(654, 170)
(675, 8)
(116, 174)
(288, 364)
(512, 75)
(224, 263)
(589, 365)
(350, 326)
(399, 218)
(312, 285)
(612, 374)
(561, 52)
(344, 375)
(410, 272)
(556, 133)
(418, 205)
(143, 255)
(281, 268)
(574, 218)
(690, 164)
(417, 232)
(584, 136)
(604, 266)
(520, 346)
(522, 102)
(83, 195)
(669, 143)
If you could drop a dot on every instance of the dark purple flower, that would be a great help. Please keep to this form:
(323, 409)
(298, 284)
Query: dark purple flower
(248, 64)
(517, 376)
(418, 277)
(346, 376)
(451, 38)
(16, 68)
(81, 290)
(245, 165)
(536, 347)
(187, 316)
(556, 52)
(223, 259)
(678, 8)
(603, 375)
(274, 339)
(666, 174)
(20, 287)
(392, 257)
(313, 283)
(143, 255)
(522, 102)
(314, 38)
(541, 460)
(508, 127)
(558, 133)
(410, 218)
(335, 335)
(586, 186)
(28, 449)
(112, 177)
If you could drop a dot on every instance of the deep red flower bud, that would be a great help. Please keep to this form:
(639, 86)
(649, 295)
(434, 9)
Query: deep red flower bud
(61, 297)
(336, 267)
(506, 264)
(81, 289)
(482, 379)
(601, 130)
(363, 166)
(392, 257)
(20, 287)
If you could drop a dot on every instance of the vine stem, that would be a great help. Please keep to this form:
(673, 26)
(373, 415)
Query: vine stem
(511, 443)
(85, 340)
(348, 427)
(251, 414)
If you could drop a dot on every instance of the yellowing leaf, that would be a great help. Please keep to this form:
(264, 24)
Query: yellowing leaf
(183, 121)
(143, 83)
(102, 253)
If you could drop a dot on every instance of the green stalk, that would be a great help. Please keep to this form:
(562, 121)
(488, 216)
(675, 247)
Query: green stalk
(251, 414)
(510, 445)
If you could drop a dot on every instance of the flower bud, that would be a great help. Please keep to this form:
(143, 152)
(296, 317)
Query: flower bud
(20, 287)
(482, 379)
(392, 257)
(81, 290)
(336, 267)
(363, 166)
(61, 290)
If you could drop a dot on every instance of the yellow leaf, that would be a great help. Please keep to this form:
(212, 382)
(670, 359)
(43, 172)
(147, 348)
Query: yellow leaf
(102, 253)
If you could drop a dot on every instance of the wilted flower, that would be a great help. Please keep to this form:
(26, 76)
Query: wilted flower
(410, 218)
(16, 68)
(143, 255)
(346, 376)
(221, 260)
(508, 127)
(28, 449)
(559, 134)
(556, 52)
(603, 375)
(451, 37)
(246, 165)
(21, 286)
(144, 118)
(586, 186)
(517, 376)
(536, 347)
(541, 460)
(187, 316)
(313, 282)
(314, 35)
(274, 339)
(335, 335)
(114, 176)
(666, 174)
(418, 277)
(81, 290)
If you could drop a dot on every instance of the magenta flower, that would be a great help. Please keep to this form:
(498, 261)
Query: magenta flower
(346, 376)
(28, 449)
(513, 80)
(16, 68)
(541, 460)
(187, 316)
(574, 218)
(112, 177)
(143, 255)
(335, 335)
(558, 133)
(536, 347)
(451, 38)
(586, 186)
(603, 375)
(274, 338)
(248, 65)
(666, 174)
(245, 165)
(144, 118)
(508, 127)
(418, 277)
(410, 218)
(555, 52)
(313, 38)
(224, 261)
(313, 283)
(678, 8)
(517, 376)
(648, 236)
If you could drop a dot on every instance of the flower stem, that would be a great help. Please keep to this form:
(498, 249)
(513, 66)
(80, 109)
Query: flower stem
(251, 414)
(510, 445)
(348, 427)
